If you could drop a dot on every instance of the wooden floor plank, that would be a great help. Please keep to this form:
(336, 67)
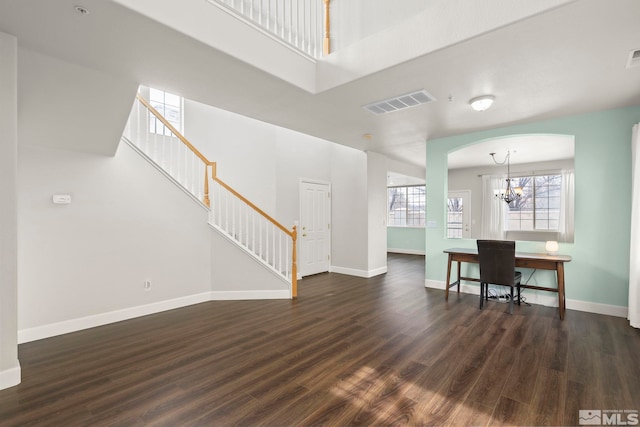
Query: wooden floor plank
(349, 351)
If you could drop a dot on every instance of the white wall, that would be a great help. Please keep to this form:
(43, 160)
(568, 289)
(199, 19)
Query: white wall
(377, 206)
(196, 18)
(266, 163)
(406, 169)
(9, 366)
(63, 105)
(126, 224)
(243, 149)
(238, 276)
(354, 20)
(349, 234)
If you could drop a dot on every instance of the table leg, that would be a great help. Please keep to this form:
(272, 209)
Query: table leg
(459, 277)
(446, 285)
(561, 297)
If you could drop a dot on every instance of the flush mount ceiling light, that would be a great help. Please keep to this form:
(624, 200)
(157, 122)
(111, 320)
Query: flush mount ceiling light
(482, 103)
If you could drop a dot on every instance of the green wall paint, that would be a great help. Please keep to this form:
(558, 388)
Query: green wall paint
(406, 238)
(599, 271)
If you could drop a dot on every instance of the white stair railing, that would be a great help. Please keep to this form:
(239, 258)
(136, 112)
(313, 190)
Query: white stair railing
(168, 149)
(252, 229)
(298, 23)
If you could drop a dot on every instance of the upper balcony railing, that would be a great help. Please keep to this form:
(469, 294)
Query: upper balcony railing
(298, 23)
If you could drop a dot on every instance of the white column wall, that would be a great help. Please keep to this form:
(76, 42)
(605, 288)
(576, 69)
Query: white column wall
(9, 365)
(349, 209)
(377, 212)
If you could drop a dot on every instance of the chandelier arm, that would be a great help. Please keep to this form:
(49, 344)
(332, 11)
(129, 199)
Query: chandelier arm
(493, 156)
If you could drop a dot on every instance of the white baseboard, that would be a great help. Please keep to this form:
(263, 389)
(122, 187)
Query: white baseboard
(550, 300)
(359, 273)
(593, 307)
(73, 325)
(406, 251)
(249, 295)
(10, 377)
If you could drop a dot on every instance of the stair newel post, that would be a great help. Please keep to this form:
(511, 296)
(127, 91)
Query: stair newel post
(207, 201)
(326, 45)
(294, 264)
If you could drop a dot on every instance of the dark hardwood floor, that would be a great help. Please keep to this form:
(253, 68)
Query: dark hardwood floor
(348, 351)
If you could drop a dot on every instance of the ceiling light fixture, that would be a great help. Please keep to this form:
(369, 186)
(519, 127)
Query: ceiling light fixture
(482, 103)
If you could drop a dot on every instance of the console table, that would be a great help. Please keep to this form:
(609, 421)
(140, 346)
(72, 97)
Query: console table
(523, 259)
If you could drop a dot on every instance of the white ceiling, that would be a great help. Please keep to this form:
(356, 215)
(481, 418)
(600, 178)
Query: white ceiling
(568, 60)
(521, 149)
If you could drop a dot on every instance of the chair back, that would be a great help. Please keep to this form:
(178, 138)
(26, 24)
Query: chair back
(497, 260)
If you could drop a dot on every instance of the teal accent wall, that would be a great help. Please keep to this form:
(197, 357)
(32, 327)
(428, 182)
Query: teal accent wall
(599, 271)
(411, 239)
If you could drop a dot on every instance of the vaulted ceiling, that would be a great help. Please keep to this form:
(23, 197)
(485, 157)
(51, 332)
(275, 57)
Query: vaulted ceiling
(565, 60)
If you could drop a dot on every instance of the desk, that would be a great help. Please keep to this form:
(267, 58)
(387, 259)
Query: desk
(523, 259)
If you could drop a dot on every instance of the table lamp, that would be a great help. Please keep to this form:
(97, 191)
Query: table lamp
(551, 247)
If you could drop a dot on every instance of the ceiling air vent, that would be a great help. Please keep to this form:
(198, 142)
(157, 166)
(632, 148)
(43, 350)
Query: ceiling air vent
(400, 102)
(634, 58)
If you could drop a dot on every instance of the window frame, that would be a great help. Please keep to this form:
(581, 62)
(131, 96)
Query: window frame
(421, 213)
(154, 125)
(534, 209)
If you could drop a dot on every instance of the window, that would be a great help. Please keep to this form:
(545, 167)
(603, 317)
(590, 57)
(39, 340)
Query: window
(539, 206)
(169, 106)
(455, 210)
(406, 206)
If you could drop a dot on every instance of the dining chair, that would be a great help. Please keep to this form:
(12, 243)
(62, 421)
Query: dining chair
(497, 260)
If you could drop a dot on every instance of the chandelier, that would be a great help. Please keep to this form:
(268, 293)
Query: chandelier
(510, 193)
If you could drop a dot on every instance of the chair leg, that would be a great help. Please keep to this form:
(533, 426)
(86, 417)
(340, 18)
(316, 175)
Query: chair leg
(511, 302)
(481, 294)
(518, 293)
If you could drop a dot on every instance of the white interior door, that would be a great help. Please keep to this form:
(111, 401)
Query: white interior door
(459, 214)
(315, 227)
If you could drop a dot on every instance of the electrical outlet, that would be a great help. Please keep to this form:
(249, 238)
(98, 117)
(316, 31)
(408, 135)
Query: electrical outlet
(147, 285)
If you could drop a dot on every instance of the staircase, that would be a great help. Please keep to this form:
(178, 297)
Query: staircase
(230, 213)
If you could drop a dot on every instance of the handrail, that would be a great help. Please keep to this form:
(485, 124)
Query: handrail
(254, 207)
(326, 45)
(173, 130)
(291, 233)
